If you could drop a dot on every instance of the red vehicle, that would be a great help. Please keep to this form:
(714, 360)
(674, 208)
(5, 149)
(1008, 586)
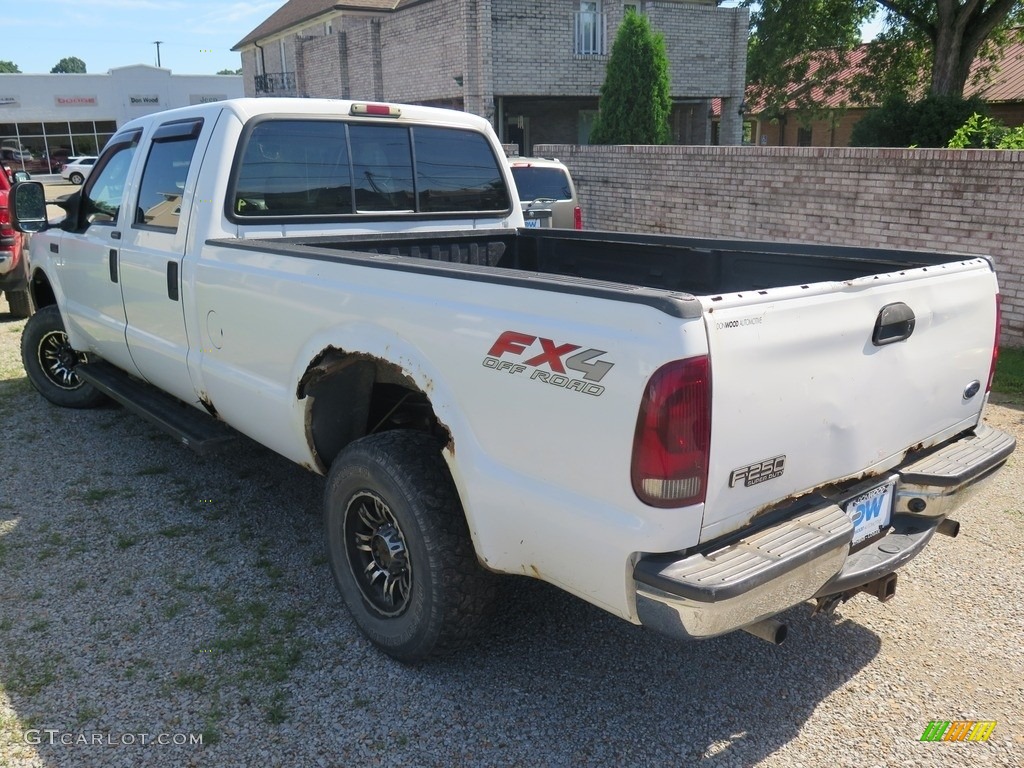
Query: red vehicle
(13, 255)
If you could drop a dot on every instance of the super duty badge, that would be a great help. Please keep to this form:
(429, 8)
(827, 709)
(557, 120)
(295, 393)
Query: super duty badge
(758, 472)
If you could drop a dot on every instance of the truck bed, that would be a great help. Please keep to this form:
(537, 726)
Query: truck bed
(693, 266)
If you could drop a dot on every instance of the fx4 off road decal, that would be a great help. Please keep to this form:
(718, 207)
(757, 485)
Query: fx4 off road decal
(543, 360)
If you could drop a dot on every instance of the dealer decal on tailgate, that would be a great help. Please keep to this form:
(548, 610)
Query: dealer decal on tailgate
(559, 365)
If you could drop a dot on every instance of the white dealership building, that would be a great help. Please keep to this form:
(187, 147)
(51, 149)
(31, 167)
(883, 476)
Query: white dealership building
(44, 116)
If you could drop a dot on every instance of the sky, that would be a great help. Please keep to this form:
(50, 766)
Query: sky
(196, 35)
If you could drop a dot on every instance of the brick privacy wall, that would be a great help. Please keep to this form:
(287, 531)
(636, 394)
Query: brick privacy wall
(964, 201)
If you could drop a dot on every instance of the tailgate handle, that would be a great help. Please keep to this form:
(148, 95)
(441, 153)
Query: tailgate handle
(895, 323)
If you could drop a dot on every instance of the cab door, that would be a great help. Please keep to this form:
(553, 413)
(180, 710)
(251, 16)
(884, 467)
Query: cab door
(152, 251)
(87, 256)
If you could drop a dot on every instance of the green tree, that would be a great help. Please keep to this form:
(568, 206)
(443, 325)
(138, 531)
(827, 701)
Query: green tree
(927, 46)
(8, 67)
(636, 97)
(230, 71)
(67, 65)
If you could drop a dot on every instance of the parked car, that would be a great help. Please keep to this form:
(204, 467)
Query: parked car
(538, 181)
(59, 158)
(23, 160)
(77, 168)
(13, 251)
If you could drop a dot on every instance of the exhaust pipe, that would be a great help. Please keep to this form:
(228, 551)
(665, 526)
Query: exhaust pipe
(768, 629)
(949, 528)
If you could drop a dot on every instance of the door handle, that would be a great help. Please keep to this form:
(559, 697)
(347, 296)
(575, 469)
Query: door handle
(895, 322)
(115, 235)
(172, 280)
(113, 265)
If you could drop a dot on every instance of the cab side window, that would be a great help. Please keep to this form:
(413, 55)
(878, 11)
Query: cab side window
(165, 173)
(104, 191)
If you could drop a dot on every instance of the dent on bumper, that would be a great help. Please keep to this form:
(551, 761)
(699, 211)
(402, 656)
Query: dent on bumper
(808, 554)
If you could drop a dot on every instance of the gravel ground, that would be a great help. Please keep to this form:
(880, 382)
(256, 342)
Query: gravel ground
(148, 595)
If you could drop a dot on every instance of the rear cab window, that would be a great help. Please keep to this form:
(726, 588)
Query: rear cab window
(318, 169)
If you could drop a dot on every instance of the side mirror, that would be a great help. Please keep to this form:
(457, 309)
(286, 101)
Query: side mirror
(28, 206)
(22, 176)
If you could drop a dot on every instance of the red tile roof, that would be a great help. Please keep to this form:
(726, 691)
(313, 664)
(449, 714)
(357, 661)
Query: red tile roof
(1008, 82)
(1005, 84)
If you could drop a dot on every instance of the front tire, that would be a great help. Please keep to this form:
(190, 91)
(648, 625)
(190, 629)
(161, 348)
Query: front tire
(20, 303)
(400, 549)
(50, 362)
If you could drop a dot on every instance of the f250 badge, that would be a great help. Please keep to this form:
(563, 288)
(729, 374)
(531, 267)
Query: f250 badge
(549, 363)
(758, 472)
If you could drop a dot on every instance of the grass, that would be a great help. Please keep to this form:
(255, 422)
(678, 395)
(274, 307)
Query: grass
(27, 677)
(264, 641)
(96, 495)
(1009, 379)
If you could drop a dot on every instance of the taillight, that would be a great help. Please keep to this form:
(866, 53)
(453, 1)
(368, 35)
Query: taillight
(577, 218)
(995, 343)
(673, 435)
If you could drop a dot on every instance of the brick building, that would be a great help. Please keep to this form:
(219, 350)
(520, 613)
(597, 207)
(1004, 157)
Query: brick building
(533, 67)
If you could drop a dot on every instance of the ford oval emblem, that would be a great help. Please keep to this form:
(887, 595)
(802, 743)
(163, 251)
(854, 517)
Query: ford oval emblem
(972, 389)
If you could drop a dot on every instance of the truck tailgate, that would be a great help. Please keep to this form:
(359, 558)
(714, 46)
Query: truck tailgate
(802, 396)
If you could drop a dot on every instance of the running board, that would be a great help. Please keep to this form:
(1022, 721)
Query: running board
(189, 426)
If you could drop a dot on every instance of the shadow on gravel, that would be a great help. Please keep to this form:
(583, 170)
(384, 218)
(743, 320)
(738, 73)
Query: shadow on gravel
(147, 592)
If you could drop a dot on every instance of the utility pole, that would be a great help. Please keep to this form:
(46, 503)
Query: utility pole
(157, 43)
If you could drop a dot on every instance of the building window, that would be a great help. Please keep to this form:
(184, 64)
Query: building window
(589, 30)
(804, 137)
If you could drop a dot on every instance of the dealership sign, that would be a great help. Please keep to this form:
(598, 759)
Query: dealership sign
(206, 98)
(8, 101)
(144, 101)
(75, 101)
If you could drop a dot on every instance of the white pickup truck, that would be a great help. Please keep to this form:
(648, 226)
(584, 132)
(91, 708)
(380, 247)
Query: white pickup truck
(694, 435)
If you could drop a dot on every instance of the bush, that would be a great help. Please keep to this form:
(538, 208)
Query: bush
(930, 122)
(981, 132)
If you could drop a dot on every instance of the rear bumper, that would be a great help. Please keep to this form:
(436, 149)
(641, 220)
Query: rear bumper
(808, 554)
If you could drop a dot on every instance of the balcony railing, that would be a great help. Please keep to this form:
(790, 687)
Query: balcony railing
(276, 84)
(589, 37)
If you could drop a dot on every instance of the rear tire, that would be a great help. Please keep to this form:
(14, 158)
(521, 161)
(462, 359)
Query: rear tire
(50, 362)
(400, 549)
(76, 178)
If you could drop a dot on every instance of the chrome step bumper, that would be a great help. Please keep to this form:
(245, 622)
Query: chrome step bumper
(808, 554)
